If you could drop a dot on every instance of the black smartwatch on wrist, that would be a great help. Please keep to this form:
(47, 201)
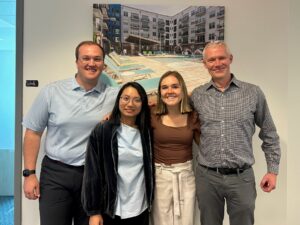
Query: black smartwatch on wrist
(27, 172)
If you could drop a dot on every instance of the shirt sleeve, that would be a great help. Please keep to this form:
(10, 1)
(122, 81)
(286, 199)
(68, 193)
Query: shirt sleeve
(196, 126)
(37, 117)
(268, 133)
(153, 117)
(191, 99)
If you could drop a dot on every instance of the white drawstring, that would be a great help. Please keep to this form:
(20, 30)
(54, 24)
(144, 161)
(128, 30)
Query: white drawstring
(177, 175)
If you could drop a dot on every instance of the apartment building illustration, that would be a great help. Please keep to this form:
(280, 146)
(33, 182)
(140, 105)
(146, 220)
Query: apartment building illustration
(133, 31)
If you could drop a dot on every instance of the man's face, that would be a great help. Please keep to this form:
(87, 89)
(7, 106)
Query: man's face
(217, 61)
(90, 63)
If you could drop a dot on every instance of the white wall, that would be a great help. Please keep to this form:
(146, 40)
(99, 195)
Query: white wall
(256, 31)
(293, 165)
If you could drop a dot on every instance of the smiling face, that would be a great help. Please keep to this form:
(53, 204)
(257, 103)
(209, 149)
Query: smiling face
(90, 64)
(217, 61)
(171, 91)
(130, 104)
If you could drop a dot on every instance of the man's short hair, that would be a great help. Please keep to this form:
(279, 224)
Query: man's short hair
(87, 43)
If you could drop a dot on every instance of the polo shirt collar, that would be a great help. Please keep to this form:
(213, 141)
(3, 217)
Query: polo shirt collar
(233, 81)
(98, 88)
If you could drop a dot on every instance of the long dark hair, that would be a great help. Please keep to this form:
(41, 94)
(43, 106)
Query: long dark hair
(143, 118)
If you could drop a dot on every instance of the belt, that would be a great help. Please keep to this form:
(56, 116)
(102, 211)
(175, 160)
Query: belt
(227, 171)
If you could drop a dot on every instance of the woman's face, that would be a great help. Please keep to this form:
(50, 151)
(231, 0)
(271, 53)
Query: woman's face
(130, 103)
(171, 91)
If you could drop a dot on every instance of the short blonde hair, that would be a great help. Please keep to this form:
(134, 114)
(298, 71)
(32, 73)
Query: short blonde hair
(213, 44)
(185, 106)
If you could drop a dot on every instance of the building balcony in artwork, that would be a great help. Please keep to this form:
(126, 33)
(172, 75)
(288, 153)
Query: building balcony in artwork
(221, 14)
(161, 23)
(199, 42)
(199, 31)
(184, 26)
(144, 19)
(97, 13)
(185, 34)
(184, 19)
(220, 26)
(161, 30)
(146, 25)
(104, 13)
(135, 18)
(134, 27)
(201, 11)
(200, 22)
(98, 27)
(104, 26)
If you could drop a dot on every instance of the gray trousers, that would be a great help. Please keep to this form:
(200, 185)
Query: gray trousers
(237, 190)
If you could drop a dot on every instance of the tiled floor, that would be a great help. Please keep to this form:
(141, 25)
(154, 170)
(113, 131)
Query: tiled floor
(6, 210)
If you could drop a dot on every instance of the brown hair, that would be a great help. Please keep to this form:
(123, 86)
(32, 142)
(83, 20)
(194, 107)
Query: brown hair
(87, 43)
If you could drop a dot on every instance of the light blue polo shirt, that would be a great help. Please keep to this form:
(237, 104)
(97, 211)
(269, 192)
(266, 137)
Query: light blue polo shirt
(69, 113)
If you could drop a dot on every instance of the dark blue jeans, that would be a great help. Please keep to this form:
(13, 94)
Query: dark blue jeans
(60, 201)
(237, 190)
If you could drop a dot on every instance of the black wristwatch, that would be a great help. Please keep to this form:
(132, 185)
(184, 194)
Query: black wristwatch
(27, 172)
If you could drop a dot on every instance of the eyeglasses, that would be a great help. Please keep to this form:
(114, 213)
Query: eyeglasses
(126, 99)
(86, 59)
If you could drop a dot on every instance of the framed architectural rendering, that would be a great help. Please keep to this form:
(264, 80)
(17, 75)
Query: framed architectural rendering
(142, 41)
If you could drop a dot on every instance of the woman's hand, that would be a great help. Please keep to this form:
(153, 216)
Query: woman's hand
(96, 220)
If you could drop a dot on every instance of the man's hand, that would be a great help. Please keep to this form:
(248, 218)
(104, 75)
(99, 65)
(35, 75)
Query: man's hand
(31, 187)
(96, 220)
(106, 117)
(268, 183)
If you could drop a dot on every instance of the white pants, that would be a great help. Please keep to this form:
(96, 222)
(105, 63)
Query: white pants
(174, 197)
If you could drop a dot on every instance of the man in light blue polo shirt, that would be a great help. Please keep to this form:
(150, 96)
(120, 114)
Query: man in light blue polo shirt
(69, 109)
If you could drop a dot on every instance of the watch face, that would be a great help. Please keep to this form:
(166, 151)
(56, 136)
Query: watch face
(27, 172)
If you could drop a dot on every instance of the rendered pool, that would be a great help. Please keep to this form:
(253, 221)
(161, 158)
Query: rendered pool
(175, 59)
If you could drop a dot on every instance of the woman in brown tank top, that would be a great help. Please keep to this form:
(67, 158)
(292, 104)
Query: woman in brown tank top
(175, 127)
